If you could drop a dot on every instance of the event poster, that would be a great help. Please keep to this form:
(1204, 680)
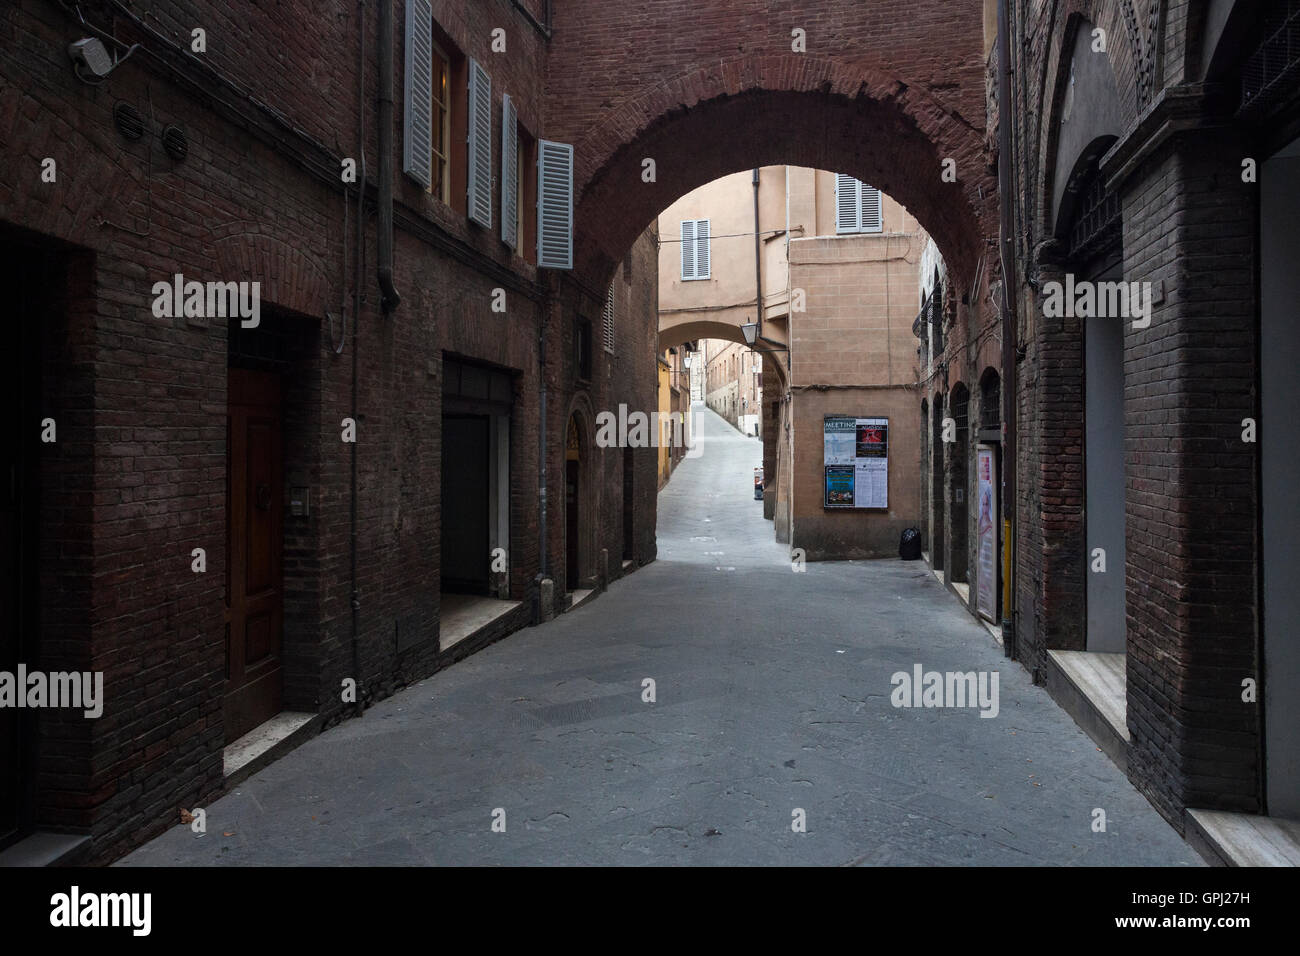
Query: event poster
(857, 462)
(986, 531)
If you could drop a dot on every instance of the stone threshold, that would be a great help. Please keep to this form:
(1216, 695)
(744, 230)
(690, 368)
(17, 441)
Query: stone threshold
(1092, 688)
(266, 743)
(1243, 839)
(580, 597)
(46, 848)
(465, 615)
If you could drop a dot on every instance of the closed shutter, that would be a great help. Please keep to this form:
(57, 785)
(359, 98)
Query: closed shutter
(848, 204)
(695, 248)
(554, 205)
(417, 147)
(701, 248)
(871, 219)
(609, 318)
(480, 146)
(688, 248)
(509, 173)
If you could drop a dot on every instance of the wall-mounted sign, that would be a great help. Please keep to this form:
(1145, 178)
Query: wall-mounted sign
(856, 462)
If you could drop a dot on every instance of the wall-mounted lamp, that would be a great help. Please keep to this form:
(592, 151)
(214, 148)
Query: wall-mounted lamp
(91, 60)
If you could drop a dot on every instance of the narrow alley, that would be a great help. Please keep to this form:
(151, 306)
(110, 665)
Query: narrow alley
(772, 695)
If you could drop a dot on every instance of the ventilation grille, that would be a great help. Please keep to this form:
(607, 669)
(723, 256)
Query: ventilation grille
(128, 121)
(175, 142)
(1270, 73)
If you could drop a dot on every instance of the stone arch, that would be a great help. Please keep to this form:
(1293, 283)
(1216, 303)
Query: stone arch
(735, 114)
(675, 333)
(1075, 24)
(1087, 113)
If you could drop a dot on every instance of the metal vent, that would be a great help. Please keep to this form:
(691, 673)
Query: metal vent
(128, 120)
(1270, 74)
(175, 142)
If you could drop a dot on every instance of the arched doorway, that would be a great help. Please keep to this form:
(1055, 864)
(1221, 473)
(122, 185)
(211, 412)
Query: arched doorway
(938, 450)
(958, 492)
(925, 474)
(573, 511)
(988, 491)
(1096, 255)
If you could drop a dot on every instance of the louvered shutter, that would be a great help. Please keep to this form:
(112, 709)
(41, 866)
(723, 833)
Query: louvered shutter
(870, 219)
(509, 173)
(417, 148)
(609, 318)
(480, 146)
(554, 205)
(688, 248)
(702, 249)
(848, 204)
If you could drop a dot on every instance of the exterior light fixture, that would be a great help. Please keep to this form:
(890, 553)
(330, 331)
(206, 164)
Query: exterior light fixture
(750, 332)
(91, 60)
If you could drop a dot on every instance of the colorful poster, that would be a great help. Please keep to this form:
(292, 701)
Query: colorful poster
(857, 462)
(986, 530)
(839, 486)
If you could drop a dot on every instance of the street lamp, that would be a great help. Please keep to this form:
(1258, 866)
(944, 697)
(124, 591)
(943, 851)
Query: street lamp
(750, 331)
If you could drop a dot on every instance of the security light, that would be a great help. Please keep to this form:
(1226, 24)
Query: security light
(91, 60)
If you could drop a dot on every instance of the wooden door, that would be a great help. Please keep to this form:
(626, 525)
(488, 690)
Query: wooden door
(254, 544)
(571, 524)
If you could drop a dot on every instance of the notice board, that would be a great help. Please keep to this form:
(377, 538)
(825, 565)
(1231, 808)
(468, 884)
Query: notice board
(856, 462)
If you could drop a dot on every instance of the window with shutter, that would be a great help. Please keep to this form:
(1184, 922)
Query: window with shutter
(857, 206)
(417, 147)
(688, 248)
(848, 206)
(695, 248)
(609, 318)
(554, 205)
(479, 192)
(870, 218)
(509, 174)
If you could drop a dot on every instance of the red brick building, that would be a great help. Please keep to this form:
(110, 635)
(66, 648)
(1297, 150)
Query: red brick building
(232, 521)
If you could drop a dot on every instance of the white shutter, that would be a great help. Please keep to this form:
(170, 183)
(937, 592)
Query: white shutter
(871, 219)
(848, 204)
(480, 146)
(609, 318)
(509, 173)
(554, 205)
(688, 248)
(701, 248)
(417, 148)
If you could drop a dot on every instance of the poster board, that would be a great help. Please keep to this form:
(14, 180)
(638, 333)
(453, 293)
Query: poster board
(856, 462)
(986, 532)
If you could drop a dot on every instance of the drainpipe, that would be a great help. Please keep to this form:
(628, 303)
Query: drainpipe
(1006, 190)
(355, 598)
(390, 299)
(541, 450)
(758, 262)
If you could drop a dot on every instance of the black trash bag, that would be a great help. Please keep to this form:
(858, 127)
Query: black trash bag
(909, 545)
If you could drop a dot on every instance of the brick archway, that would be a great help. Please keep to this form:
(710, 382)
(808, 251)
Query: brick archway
(728, 117)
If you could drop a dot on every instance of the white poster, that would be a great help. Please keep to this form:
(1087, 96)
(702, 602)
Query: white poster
(986, 531)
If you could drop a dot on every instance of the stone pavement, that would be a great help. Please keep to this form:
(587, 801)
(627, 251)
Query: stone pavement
(772, 696)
